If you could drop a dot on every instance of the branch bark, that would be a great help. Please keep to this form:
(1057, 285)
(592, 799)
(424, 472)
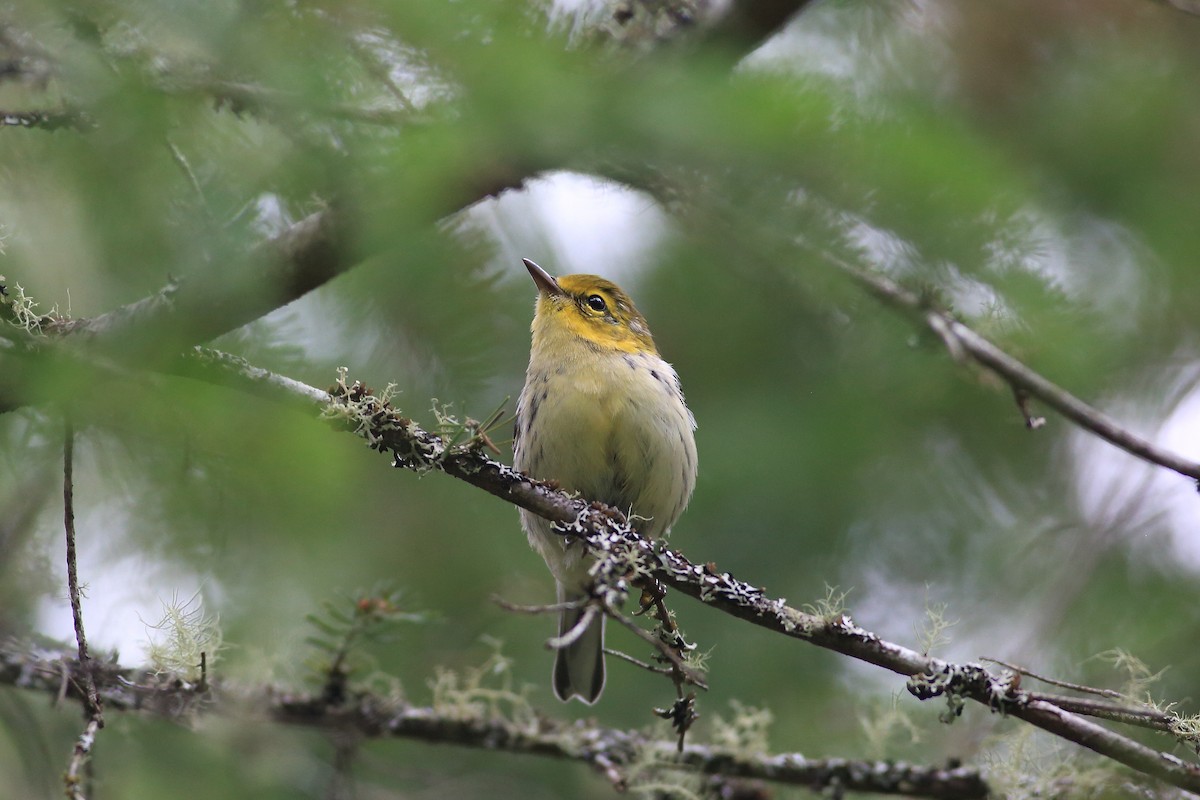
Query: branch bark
(373, 716)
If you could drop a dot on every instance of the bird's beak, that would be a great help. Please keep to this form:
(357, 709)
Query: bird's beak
(546, 284)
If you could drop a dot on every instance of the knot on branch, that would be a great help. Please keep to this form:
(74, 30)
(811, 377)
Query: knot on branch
(956, 681)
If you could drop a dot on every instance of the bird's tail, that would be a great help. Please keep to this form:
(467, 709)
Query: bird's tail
(579, 667)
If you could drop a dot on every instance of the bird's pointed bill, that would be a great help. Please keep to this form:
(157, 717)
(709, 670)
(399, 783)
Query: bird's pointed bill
(545, 283)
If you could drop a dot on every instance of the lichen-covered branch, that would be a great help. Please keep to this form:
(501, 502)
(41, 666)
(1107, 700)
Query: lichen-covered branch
(626, 556)
(373, 716)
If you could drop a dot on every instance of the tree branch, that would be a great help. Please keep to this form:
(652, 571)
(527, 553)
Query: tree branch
(963, 343)
(74, 777)
(304, 256)
(372, 716)
(609, 537)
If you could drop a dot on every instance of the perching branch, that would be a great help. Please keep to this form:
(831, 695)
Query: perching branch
(963, 343)
(370, 716)
(611, 539)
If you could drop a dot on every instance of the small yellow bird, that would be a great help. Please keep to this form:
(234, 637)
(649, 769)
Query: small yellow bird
(602, 414)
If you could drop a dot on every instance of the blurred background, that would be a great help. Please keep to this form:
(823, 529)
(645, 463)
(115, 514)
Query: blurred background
(1029, 164)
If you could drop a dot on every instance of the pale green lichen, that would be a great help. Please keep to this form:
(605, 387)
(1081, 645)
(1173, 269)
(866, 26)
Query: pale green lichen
(832, 606)
(797, 622)
(184, 638)
(887, 727)
(22, 310)
(1186, 729)
(484, 692)
(1138, 676)
(696, 659)
(653, 773)
(931, 633)
(1027, 764)
(745, 733)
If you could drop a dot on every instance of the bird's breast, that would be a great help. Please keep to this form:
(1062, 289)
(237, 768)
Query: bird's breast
(614, 428)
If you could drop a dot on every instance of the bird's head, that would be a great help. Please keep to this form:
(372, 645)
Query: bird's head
(587, 310)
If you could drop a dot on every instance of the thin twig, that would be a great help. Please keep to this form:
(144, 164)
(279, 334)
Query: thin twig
(91, 697)
(1145, 717)
(692, 676)
(185, 167)
(1032, 421)
(92, 707)
(961, 339)
(572, 636)
(48, 120)
(639, 663)
(341, 782)
(549, 608)
(1077, 687)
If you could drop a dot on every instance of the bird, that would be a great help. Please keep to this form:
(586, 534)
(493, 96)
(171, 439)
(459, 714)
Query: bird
(601, 414)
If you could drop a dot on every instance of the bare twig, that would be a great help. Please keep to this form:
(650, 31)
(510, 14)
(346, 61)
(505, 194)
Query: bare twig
(91, 697)
(549, 608)
(961, 339)
(1077, 687)
(570, 637)
(639, 663)
(1021, 396)
(1138, 714)
(92, 700)
(345, 750)
(304, 256)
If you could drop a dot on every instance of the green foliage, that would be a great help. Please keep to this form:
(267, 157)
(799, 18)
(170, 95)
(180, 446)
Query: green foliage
(346, 628)
(483, 691)
(1029, 166)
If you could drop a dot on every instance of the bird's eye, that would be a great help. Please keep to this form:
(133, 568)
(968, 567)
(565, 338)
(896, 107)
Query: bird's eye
(596, 303)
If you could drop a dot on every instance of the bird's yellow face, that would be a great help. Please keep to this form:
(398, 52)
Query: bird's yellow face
(589, 309)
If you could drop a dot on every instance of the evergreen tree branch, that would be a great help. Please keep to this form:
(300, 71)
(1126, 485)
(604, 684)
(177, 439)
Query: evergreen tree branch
(304, 256)
(376, 717)
(610, 537)
(963, 343)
